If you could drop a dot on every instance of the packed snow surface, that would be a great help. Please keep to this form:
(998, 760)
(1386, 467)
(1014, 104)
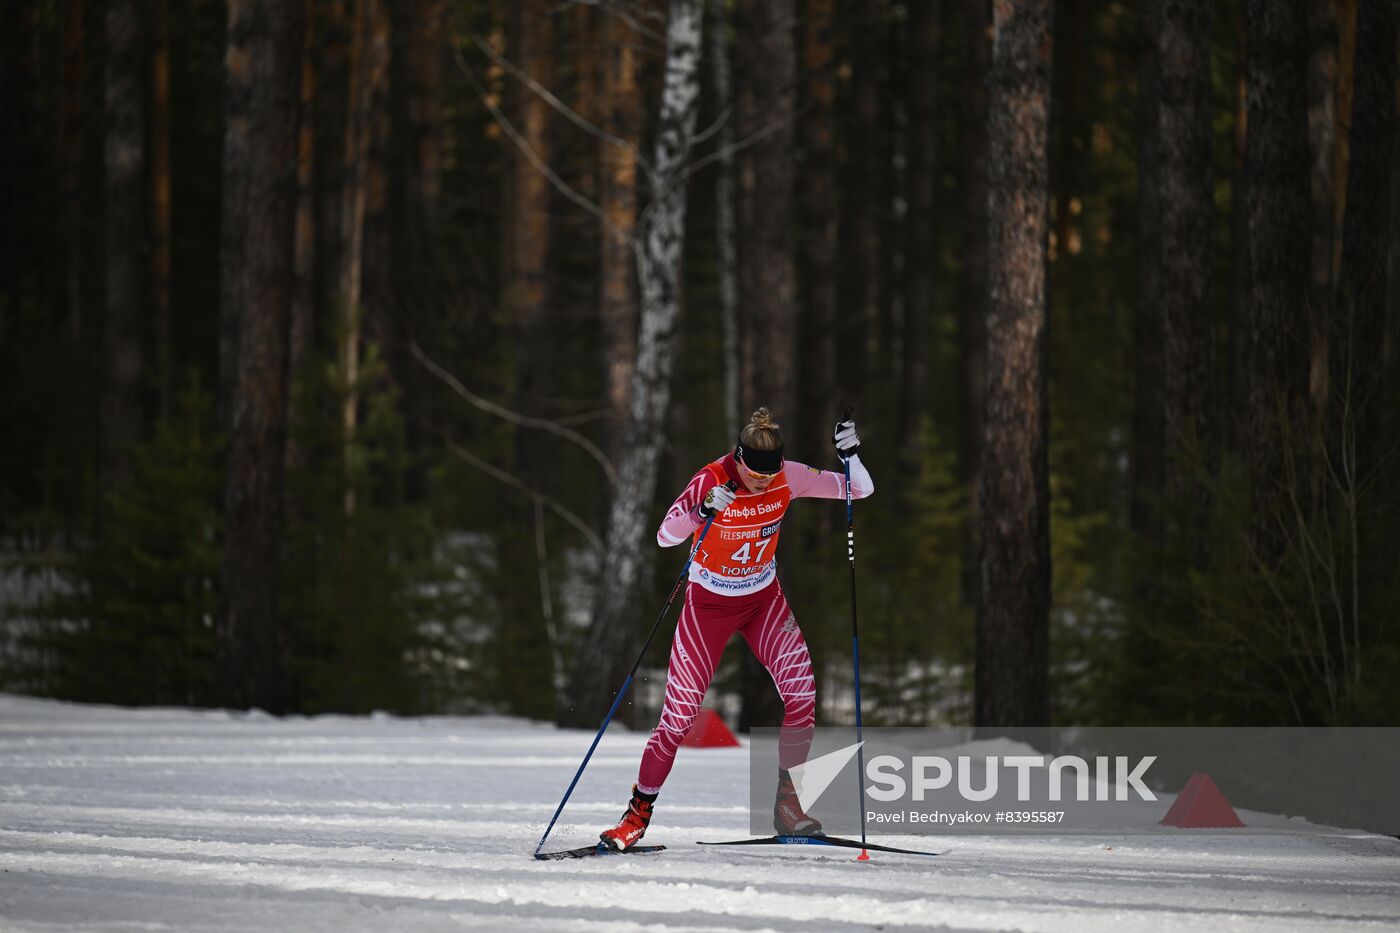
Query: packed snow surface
(114, 819)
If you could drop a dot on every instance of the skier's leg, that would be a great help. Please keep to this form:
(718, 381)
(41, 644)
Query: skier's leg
(701, 634)
(777, 642)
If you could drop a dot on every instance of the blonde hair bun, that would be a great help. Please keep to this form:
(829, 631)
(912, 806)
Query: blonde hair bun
(762, 432)
(763, 419)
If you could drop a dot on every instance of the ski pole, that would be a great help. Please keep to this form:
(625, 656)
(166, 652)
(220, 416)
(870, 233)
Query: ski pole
(855, 644)
(622, 691)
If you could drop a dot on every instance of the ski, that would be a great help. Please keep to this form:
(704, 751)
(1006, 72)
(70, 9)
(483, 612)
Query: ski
(599, 849)
(816, 841)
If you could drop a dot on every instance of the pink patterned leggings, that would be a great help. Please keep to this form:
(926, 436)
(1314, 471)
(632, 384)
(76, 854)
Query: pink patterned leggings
(706, 623)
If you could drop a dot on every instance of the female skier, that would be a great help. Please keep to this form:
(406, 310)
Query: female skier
(734, 587)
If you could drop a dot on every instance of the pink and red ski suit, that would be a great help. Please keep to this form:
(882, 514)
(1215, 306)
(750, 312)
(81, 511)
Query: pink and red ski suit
(733, 588)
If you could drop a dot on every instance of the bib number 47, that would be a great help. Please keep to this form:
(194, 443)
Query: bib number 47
(746, 554)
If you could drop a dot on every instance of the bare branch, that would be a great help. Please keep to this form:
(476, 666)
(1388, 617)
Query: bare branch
(514, 417)
(584, 417)
(615, 8)
(720, 153)
(524, 146)
(715, 127)
(569, 113)
(514, 481)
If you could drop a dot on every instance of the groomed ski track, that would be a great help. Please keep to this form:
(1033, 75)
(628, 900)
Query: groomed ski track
(183, 820)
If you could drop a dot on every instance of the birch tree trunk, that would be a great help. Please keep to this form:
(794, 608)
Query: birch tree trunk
(726, 224)
(124, 156)
(1013, 612)
(603, 661)
(259, 185)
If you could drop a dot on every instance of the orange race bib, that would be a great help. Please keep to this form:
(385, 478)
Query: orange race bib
(739, 554)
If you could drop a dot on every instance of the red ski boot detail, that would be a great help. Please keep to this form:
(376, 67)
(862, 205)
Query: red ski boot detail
(788, 816)
(633, 825)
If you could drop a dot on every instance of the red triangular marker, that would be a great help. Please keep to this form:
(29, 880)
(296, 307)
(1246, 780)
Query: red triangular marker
(1201, 805)
(709, 731)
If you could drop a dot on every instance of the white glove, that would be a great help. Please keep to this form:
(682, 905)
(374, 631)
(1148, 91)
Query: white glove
(846, 440)
(716, 501)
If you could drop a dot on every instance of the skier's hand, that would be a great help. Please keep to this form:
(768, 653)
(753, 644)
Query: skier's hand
(717, 500)
(845, 438)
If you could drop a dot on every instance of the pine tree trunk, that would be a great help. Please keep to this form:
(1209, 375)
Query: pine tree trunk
(622, 103)
(921, 259)
(1322, 143)
(1359, 324)
(527, 677)
(1013, 612)
(820, 217)
(1274, 318)
(23, 159)
(303, 314)
(418, 30)
(602, 663)
(1188, 224)
(1177, 267)
(334, 26)
(859, 275)
(726, 224)
(1148, 465)
(368, 60)
(160, 200)
(124, 155)
(71, 162)
(1239, 239)
(1392, 321)
(376, 251)
(767, 59)
(259, 186)
(972, 287)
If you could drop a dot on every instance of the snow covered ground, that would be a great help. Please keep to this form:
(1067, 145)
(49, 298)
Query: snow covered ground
(115, 819)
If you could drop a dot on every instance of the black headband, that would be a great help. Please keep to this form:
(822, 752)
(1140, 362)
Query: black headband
(760, 461)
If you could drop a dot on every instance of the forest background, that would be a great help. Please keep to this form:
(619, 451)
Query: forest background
(350, 350)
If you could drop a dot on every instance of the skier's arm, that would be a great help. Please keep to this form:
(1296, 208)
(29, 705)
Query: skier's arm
(808, 481)
(824, 484)
(684, 515)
